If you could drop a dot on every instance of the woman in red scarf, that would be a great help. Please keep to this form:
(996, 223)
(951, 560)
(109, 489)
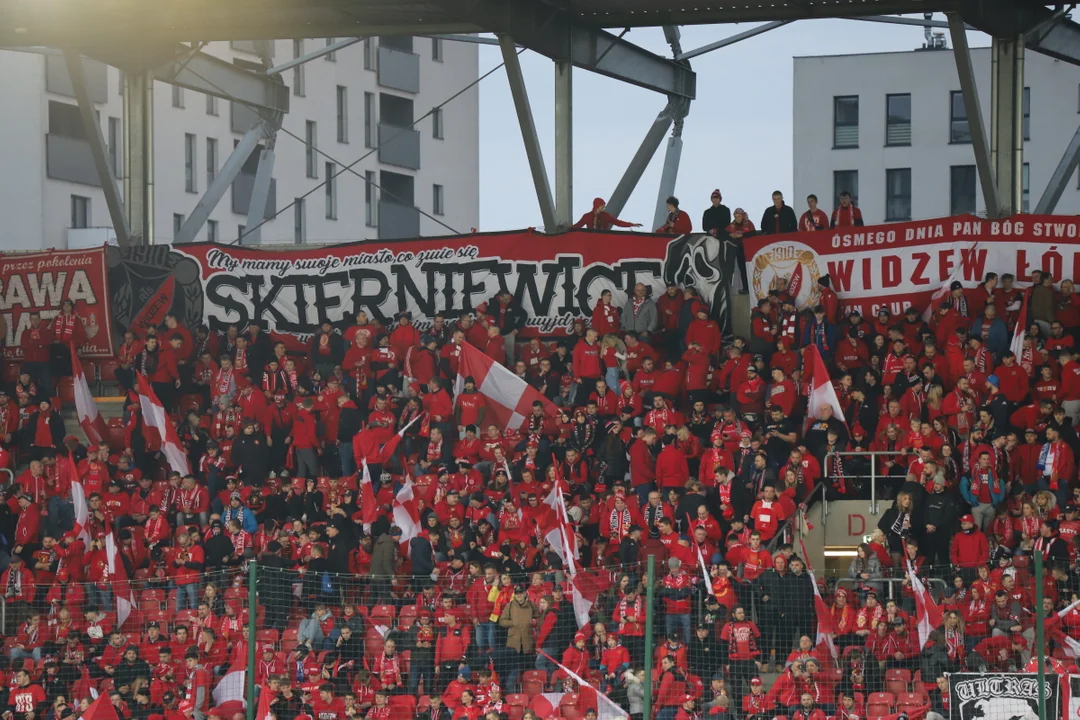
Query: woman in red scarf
(46, 428)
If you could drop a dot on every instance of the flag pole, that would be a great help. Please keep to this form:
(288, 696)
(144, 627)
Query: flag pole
(1040, 643)
(252, 625)
(650, 581)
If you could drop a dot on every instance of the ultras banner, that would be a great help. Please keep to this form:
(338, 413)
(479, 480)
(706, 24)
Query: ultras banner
(899, 265)
(40, 282)
(556, 278)
(1008, 696)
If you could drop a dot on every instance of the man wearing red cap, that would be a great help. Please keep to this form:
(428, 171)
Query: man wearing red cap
(757, 702)
(969, 548)
(716, 217)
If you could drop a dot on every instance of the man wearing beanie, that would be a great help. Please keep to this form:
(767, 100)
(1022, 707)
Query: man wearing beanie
(717, 216)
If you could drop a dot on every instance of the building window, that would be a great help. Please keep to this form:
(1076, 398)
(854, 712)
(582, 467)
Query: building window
(190, 148)
(1025, 188)
(959, 132)
(80, 211)
(331, 191)
(369, 120)
(371, 200)
(846, 121)
(330, 57)
(298, 71)
(240, 230)
(177, 96)
(898, 119)
(436, 49)
(211, 231)
(845, 181)
(369, 54)
(437, 200)
(116, 144)
(211, 105)
(1027, 113)
(299, 222)
(177, 223)
(309, 149)
(897, 194)
(962, 179)
(437, 124)
(342, 114)
(211, 160)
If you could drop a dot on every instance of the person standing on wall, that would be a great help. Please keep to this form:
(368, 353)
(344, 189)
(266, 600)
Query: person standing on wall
(778, 218)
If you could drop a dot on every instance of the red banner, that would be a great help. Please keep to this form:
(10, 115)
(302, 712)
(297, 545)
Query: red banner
(555, 278)
(896, 266)
(40, 282)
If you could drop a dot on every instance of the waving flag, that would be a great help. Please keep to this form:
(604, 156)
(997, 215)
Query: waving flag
(369, 506)
(507, 397)
(559, 533)
(101, 709)
(85, 408)
(1017, 346)
(125, 596)
(605, 708)
(823, 392)
(406, 516)
(154, 416)
(826, 628)
(929, 614)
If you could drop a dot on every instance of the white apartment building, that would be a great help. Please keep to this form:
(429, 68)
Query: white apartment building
(343, 104)
(891, 128)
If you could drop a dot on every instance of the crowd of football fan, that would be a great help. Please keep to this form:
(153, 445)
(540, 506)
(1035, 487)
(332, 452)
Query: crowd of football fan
(669, 441)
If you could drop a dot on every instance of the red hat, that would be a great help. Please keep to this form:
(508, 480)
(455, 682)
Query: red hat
(425, 613)
(580, 636)
(716, 194)
(746, 433)
(858, 430)
(967, 519)
(755, 681)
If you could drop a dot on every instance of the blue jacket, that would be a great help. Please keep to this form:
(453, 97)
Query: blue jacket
(997, 335)
(971, 499)
(810, 336)
(247, 518)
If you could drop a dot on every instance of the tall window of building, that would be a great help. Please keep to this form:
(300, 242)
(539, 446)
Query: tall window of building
(298, 71)
(330, 57)
(211, 105)
(369, 120)
(371, 200)
(437, 124)
(846, 121)
(177, 223)
(311, 138)
(1027, 113)
(897, 194)
(369, 54)
(845, 181)
(299, 222)
(898, 119)
(962, 185)
(436, 49)
(331, 191)
(342, 114)
(211, 231)
(177, 96)
(80, 211)
(116, 145)
(240, 230)
(211, 160)
(1025, 188)
(190, 148)
(437, 200)
(959, 132)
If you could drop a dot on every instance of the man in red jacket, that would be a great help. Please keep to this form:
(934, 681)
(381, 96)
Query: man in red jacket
(672, 470)
(587, 368)
(643, 465)
(969, 548)
(677, 223)
(35, 341)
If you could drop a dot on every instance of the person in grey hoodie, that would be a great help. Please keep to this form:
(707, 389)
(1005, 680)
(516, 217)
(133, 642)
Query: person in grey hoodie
(635, 692)
(382, 563)
(639, 315)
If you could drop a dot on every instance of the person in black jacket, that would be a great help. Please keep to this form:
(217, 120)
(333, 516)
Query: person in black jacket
(630, 547)
(250, 456)
(350, 422)
(274, 581)
(704, 652)
(939, 521)
(259, 350)
(422, 552)
(510, 317)
(327, 349)
(778, 218)
(716, 217)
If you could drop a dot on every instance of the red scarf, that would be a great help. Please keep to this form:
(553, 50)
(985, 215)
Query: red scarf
(619, 523)
(64, 327)
(223, 382)
(240, 363)
(434, 450)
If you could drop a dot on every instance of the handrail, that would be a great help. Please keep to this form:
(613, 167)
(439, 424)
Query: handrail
(892, 581)
(771, 546)
(873, 469)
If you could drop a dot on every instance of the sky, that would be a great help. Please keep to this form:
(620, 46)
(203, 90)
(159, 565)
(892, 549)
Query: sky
(737, 137)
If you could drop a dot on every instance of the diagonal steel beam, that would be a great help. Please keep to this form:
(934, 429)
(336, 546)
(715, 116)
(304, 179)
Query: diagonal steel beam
(979, 143)
(559, 35)
(644, 155)
(106, 174)
(260, 191)
(207, 74)
(528, 131)
(1060, 179)
(737, 37)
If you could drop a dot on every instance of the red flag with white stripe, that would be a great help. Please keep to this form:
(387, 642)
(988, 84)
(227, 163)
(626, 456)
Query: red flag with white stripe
(822, 393)
(606, 709)
(928, 612)
(1017, 346)
(154, 416)
(507, 397)
(825, 626)
(125, 596)
(406, 516)
(369, 507)
(85, 408)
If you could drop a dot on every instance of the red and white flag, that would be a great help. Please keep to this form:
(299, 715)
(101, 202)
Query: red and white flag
(509, 399)
(406, 516)
(606, 709)
(927, 611)
(65, 466)
(823, 393)
(154, 416)
(101, 709)
(559, 533)
(125, 596)
(85, 408)
(825, 626)
(1017, 346)
(369, 506)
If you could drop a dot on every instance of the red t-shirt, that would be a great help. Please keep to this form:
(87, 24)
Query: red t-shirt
(333, 710)
(26, 699)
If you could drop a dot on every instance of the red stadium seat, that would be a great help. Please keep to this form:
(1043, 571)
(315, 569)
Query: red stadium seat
(897, 681)
(383, 612)
(267, 636)
(151, 599)
(532, 688)
(540, 676)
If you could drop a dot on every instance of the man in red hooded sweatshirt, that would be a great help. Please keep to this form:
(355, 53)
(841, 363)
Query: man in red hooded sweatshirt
(678, 222)
(600, 219)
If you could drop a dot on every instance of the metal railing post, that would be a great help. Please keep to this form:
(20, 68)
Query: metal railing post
(253, 624)
(650, 576)
(873, 484)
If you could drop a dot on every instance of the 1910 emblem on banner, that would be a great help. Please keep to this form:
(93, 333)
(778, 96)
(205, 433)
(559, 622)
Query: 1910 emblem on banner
(788, 267)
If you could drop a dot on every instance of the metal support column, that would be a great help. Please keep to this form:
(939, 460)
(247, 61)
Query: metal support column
(139, 155)
(1064, 172)
(564, 143)
(106, 174)
(962, 55)
(1006, 121)
(528, 130)
(669, 174)
(216, 190)
(260, 191)
(640, 161)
